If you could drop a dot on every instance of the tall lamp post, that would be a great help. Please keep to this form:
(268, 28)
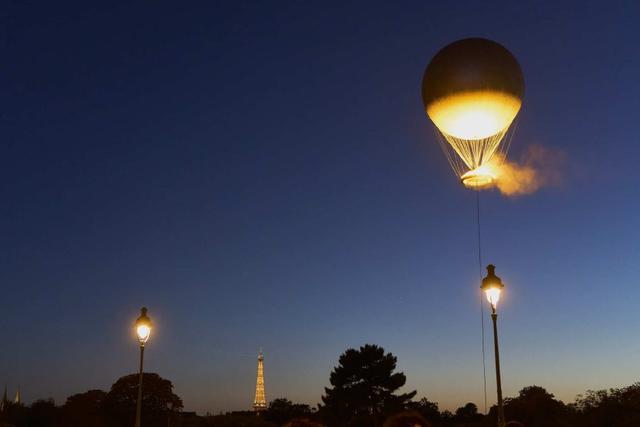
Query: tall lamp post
(492, 287)
(143, 330)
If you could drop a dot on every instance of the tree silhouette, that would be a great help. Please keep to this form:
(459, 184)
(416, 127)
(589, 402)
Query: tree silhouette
(158, 400)
(536, 407)
(364, 383)
(85, 409)
(429, 410)
(468, 414)
(43, 413)
(14, 414)
(469, 410)
(617, 407)
(282, 410)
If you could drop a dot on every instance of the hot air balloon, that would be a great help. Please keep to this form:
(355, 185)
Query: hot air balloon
(472, 91)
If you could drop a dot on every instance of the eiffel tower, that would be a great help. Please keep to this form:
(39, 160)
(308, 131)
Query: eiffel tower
(260, 402)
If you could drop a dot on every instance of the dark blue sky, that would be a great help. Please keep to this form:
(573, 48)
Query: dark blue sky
(263, 174)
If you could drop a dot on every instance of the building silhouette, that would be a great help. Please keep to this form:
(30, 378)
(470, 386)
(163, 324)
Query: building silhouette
(4, 402)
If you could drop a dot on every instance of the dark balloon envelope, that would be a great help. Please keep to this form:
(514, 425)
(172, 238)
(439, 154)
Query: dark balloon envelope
(468, 65)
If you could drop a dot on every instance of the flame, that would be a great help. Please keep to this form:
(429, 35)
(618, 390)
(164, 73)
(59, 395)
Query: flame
(483, 176)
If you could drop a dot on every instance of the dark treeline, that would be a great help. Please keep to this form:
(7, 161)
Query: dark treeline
(363, 392)
(98, 408)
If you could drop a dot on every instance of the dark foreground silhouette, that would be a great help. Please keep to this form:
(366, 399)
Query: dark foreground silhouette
(363, 392)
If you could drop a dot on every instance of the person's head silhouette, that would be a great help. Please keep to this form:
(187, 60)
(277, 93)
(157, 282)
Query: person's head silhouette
(302, 422)
(406, 419)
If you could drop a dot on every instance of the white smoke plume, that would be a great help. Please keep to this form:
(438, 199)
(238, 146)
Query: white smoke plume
(538, 167)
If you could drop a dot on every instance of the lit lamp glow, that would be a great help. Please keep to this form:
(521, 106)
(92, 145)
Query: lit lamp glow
(143, 331)
(493, 295)
(492, 286)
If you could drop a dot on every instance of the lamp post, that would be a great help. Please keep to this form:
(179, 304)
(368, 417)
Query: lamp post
(492, 287)
(143, 330)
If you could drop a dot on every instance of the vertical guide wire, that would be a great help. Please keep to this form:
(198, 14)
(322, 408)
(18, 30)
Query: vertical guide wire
(484, 364)
(452, 146)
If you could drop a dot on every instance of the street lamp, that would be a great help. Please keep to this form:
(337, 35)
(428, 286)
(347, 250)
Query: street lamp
(492, 287)
(143, 331)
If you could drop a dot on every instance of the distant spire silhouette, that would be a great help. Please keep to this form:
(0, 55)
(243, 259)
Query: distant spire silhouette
(18, 398)
(4, 402)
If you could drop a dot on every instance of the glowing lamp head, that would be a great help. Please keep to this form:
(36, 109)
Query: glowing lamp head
(493, 296)
(143, 326)
(492, 286)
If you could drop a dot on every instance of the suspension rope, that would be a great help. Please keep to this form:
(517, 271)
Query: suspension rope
(464, 155)
(509, 137)
(484, 364)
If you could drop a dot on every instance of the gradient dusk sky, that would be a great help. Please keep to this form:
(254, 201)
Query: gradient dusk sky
(262, 174)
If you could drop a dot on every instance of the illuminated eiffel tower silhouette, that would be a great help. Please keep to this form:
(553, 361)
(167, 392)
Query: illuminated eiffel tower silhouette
(260, 402)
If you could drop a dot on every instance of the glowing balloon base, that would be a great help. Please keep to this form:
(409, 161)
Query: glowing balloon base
(479, 178)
